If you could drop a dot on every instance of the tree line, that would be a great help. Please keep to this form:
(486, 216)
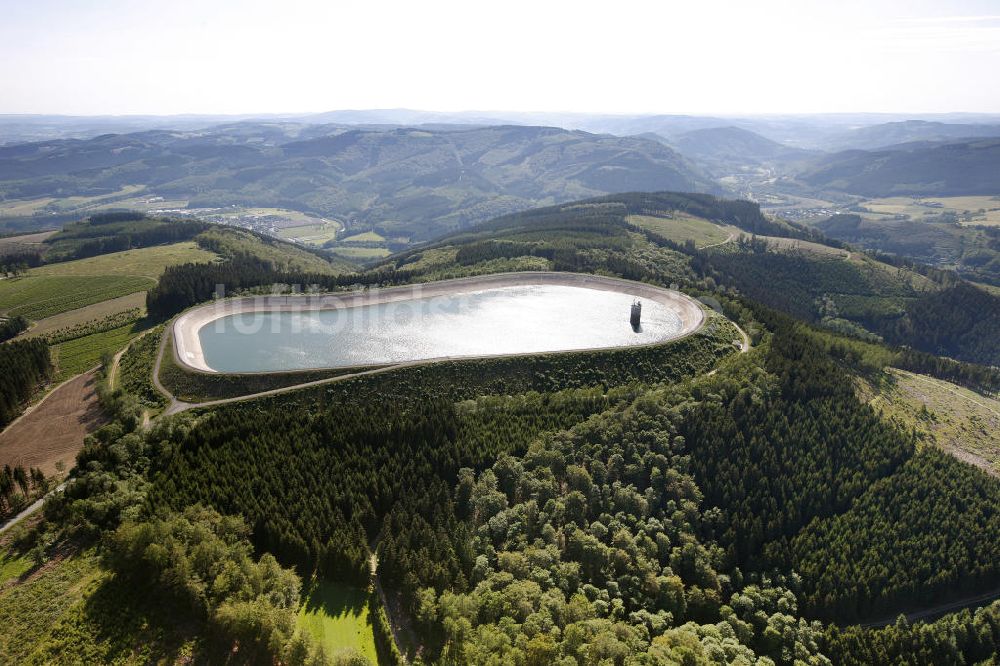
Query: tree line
(24, 365)
(12, 327)
(926, 534)
(965, 637)
(184, 285)
(97, 240)
(201, 563)
(17, 478)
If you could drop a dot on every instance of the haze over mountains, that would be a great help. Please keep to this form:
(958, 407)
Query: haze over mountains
(920, 169)
(420, 182)
(414, 175)
(725, 147)
(814, 131)
(908, 131)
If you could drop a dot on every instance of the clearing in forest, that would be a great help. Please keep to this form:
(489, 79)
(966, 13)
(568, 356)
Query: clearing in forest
(337, 616)
(962, 422)
(680, 227)
(142, 262)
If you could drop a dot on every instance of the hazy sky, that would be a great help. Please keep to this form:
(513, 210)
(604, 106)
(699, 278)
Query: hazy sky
(663, 56)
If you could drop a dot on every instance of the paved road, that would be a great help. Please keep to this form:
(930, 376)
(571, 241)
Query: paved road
(940, 609)
(174, 405)
(745, 347)
(33, 507)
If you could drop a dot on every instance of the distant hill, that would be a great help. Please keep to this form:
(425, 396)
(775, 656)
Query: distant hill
(974, 252)
(735, 146)
(922, 169)
(411, 183)
(923, 241)
(907, 131)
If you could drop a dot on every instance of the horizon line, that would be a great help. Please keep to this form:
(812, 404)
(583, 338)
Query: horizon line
(486, 112)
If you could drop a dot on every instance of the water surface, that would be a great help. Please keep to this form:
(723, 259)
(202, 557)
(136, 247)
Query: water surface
(505, 320)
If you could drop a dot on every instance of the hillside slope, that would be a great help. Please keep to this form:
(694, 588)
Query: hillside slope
(735, 145)
(409, 183)
(963, 167)
(906, 131)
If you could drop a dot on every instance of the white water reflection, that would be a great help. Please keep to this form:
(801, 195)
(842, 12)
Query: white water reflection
(506, 320)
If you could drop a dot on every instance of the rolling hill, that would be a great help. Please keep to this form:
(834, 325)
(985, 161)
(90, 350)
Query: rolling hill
(922, 168)
(908, 131)
(411, 184)
(735, 146)
(556, 508)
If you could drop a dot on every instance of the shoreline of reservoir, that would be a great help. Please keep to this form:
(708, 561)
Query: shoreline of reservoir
(185, 329)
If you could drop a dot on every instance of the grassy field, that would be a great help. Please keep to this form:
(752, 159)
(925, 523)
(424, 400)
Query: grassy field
(681, 228)
(71, 611)
(960, 421)
(24, 243)
(144, 262)
(981, 210)
(988, 288)
(40, 296)
(75, 356)
(13, 565)
(57, 288)
(362, 253)
(146, 202)
(804, 246)
(336, 615)
(286, 255)
(22, 207)
(312, 234)
(89, 313)
(19, 207)
(367, 236)
(287, 215)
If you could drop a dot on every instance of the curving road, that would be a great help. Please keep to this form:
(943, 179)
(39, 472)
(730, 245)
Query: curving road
(935, 611)
(33, 507)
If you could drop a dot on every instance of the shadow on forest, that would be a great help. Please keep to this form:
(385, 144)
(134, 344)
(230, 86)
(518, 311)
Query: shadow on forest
(124, 619)
(335, 599)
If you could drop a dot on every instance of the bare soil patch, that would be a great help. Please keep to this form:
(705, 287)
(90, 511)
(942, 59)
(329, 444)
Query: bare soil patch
(53, 431)
(25, 243)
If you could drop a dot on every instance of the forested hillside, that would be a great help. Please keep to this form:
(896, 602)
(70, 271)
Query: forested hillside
(105, 233)
(974, 250)
(726, 148)
(921, 168)
(410, 183)
(936, 313)
(679, 503)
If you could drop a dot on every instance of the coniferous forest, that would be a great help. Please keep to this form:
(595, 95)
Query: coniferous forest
(24, 365)
(677, 504)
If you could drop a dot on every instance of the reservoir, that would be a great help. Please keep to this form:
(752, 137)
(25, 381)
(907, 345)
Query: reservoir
(468, 322)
